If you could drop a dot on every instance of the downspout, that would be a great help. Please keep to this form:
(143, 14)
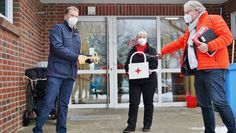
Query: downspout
(221, 11)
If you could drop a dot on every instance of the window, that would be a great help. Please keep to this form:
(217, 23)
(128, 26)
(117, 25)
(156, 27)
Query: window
(233, 24)
(6, 9)
(171, 30)
(173, 87)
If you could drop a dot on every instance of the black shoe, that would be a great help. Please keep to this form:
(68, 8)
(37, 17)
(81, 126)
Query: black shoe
(128, 130)
(146, 129)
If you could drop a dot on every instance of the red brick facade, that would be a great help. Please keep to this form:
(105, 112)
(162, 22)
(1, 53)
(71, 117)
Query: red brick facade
(20, 48)
(26, 42)
(228, 8)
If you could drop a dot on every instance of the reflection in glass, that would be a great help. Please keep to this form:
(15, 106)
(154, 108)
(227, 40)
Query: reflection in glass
(170, 31)
(173, 87)
(89, 88)
(127, 30)
(3, 7)
(123, 90)
(93, 39)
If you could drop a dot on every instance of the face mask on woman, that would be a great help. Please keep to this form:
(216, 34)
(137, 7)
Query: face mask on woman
(72, 21)
(142, 41)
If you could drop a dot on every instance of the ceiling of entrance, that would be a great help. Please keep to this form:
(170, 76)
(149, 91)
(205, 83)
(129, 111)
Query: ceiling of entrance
(133, 1)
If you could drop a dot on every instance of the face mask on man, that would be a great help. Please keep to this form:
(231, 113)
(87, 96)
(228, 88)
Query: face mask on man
(72, 21)
(142, 41)
(188, 18)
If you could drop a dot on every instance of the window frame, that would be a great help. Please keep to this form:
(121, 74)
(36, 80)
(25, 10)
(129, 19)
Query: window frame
(9, 11)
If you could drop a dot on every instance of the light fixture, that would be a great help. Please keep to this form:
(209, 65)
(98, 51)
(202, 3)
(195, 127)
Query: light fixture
(172, 18)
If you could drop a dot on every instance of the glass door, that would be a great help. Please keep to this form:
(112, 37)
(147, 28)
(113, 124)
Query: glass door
(105, 84)
(173, 86)
(127, 29)
(91, 86)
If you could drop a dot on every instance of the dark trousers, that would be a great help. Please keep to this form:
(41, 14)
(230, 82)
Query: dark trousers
(54, 86)
(210, 90)
(135, 91)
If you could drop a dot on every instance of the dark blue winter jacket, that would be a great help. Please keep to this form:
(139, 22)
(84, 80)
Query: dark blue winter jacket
(64, 51)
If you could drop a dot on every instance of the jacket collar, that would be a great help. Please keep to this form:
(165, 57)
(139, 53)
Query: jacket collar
(147, 47)
(66, 24)
(203, 16)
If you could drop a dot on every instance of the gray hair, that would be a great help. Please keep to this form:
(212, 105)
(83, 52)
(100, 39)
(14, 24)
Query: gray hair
(193, 4)
(142, 32)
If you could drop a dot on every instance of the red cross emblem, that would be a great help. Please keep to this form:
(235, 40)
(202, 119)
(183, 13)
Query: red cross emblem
(137, 70)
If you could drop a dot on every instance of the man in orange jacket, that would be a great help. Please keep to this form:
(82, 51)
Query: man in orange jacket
(209, 71)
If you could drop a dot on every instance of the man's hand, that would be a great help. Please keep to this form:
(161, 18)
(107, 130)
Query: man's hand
(158, 56)
(92, 59)
(95, 58)
(82, 59)
(203, 47)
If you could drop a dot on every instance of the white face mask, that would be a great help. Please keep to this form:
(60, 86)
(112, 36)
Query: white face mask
(72, 21)
(142, 41)
(188, 18)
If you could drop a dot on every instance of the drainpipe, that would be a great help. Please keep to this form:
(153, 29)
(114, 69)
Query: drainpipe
(221, 11)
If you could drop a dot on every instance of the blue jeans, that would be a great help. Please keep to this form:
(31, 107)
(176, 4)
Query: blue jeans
(210, 90)
(55, 86)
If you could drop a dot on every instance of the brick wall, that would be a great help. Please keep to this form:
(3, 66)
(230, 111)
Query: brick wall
(10, 86)
(18, 51)
(228, 8)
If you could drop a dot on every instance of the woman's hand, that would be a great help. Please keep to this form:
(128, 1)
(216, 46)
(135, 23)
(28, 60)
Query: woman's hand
(150, 71)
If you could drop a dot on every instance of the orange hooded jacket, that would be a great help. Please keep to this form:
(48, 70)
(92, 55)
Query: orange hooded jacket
(224, 38)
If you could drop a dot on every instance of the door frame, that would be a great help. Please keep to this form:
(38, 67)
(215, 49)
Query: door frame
(112, 71)
(107, 72)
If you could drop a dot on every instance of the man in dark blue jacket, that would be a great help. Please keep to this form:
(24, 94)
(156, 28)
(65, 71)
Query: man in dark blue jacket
(61, 70)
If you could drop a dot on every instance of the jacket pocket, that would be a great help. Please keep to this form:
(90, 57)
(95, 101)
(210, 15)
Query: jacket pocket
(67, 40)
(62, 68)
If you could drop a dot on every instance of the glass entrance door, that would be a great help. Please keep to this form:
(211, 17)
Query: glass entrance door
(127, 29)
(91, 86)
(171, 88)
(105, 84)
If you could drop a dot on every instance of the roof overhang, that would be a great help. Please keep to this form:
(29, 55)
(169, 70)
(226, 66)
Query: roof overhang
(131, 1)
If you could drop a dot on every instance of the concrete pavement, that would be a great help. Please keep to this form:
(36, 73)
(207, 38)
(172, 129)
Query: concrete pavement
(165, 120)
